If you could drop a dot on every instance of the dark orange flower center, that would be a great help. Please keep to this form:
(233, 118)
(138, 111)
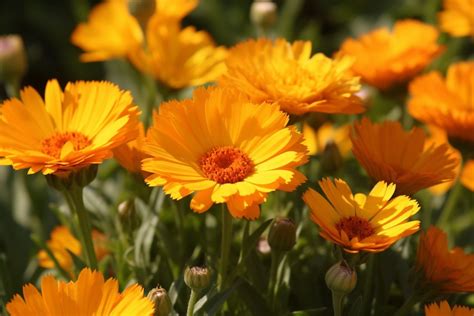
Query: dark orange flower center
(226, 164)
(355, 226)
(53, 145)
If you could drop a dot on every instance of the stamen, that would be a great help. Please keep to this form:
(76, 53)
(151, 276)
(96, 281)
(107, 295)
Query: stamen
(355, 226)
(53, 145)
(226, 164)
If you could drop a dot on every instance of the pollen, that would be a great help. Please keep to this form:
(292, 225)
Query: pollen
(355, 226)
(53, 145)
(226, 165)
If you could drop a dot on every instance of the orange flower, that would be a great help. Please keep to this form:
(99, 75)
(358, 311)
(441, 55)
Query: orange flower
(224, 148)
(383, 58)
(441, 269)
(457, 18)
(467, 175)
(361, 222)
(448, 104)
(90, 295)
(389, 153)
(327, 133)
(287, 74)
(443, 309)
(58, 135)
(130, 155)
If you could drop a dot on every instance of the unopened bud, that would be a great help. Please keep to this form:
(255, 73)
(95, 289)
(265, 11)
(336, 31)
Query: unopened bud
(263, 13)
(142, 10)
(197, 278)
(128, 215)
(161, 300)
(341, 278)
(282, 234)
(13, 61)
(331, 158)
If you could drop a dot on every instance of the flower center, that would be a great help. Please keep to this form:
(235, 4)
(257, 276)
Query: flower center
(226, 164)
(53, 145)
(355, 226)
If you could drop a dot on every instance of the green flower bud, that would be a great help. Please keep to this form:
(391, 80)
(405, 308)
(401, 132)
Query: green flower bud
(160, 298)
(263, 13)
(282, 234)
(197, 278)
(128, 215)
(341, 278)
(13, 61)
(331, 158)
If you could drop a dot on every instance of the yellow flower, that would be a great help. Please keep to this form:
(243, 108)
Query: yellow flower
(67, 131)
(327, 133)
(90, 295)
(130, 155)
(384, 58)
(224, 148)
(62, 242)
(457, 18)
(443, 309)
(441, 269)
(448, 104)
(287, 74)
(361, 222)
(179, 57)
(389, 153)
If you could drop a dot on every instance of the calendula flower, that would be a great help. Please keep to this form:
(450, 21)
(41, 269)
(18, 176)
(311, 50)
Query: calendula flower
(443, 309)
(179, 57)
(361, 222)
(130, 155)
(384, 57)
(441, 269)
(316, 140)
(457, 18)
(389, 153)
(62, 243)
(287, 74)
(449, 103)
(68, 130)
(90, 295)
(224, 148)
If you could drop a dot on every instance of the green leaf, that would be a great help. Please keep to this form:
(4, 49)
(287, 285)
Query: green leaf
(253, 299)
(311, 312)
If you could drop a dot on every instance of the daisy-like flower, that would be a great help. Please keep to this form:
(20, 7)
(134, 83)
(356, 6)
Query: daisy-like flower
(361, 222)
(130, 155)
(441, 269)
(457, 18)
(447, 103)
(287, 74)
(224, 148)
(57, 135)
(316, 140)
(62, 243)
(443, 309)
(90, 295)
(389, 153)
(384, 57)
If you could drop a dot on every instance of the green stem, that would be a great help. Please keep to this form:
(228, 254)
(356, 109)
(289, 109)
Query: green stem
(337, 299)
(367, 298)
(225, 246)
(192, 300)
(75, 198)
(272, 282)
(12, 88)
(450, 204)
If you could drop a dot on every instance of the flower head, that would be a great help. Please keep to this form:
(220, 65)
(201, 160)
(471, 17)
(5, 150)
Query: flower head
(361, 222)
(287, 74)
(57, 135)
(130, 155)
(89, 295)
(443, 309)
(389, 153)
(447, 103)
(441, 269)
(384, 58)
(224, 148)
(457, 18)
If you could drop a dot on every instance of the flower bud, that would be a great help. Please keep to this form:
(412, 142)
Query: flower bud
(161, 300)
(341, 278)
(128, 216)
(263, 13)
(282, 234)
(331, 158)
(13, 61)
(197, 278)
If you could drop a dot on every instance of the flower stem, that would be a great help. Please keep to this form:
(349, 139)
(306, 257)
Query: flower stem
(337, 299)
(367, 298)
(225, 246)
(272, 286)
(450, 204)
(77, 203)
(192, 300)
